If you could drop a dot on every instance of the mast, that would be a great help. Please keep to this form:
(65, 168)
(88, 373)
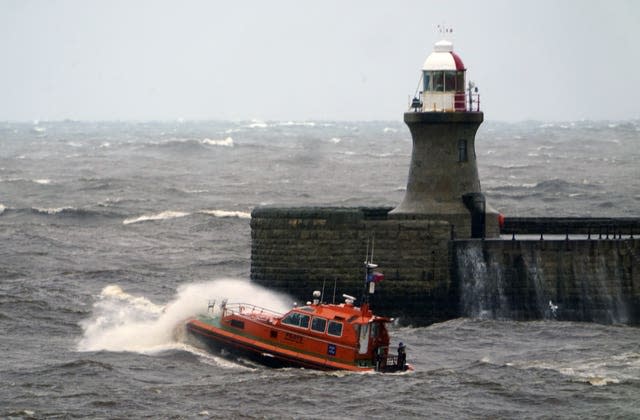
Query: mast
(370, 279)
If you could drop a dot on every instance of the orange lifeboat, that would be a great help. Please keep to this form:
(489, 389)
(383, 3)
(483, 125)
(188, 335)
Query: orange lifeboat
(315, 336)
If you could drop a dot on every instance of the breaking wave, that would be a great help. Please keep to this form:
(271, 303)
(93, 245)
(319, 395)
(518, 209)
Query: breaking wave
(170, 214)
(68, 212)
(55, 210)
(549, 186)
(189, 144)
(227, 142)
(40, 181)
(227, 213)
(264, 124)
(121, 321)
(165, 215)
(597, 371)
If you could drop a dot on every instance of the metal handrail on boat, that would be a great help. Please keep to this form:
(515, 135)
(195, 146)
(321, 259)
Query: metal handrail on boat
(392, 361)
(247, 309)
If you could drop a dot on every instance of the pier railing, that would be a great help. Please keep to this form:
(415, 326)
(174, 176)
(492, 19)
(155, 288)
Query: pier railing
(584, 227)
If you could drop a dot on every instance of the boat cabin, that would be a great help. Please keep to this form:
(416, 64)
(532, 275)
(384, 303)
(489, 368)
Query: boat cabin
(343, 323)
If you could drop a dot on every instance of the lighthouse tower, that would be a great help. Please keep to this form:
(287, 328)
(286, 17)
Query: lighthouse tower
(443, 181)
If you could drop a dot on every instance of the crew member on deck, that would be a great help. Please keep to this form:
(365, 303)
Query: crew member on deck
(402, 357)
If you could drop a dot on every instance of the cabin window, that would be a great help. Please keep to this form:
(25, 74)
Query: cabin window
(375, 330)
(237, 323)
(462, 151)
(335, 328)
(297, 320)
(318, 324)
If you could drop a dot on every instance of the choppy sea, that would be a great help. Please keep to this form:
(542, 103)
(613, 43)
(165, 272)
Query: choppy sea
(112, 233)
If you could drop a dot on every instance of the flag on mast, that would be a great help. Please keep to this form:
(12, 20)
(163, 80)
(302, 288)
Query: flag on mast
(375, 277)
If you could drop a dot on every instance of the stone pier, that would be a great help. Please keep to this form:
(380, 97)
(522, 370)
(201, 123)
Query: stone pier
(297, 250)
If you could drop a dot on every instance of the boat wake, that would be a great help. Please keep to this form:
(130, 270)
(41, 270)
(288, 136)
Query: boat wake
(121, 321)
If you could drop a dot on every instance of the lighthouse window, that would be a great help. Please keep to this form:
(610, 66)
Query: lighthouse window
(335, 328)
(462, 151)
(426, 78)
(460, 81)
(450, 81)
(437, 81)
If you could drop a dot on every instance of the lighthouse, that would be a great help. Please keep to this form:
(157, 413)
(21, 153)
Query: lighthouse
(443, 119)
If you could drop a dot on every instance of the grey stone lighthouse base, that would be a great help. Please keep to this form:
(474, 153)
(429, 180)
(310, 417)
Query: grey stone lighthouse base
(443, 181)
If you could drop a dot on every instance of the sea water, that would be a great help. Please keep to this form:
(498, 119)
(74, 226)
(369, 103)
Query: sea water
(111, 234)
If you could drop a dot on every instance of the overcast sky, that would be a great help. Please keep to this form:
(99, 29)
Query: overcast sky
(311, 60)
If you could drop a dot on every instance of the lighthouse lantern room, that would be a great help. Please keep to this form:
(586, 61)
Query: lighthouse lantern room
(443, 182)
(443, 81)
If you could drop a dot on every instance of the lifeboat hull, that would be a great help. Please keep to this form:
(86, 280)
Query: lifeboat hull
(219, 339)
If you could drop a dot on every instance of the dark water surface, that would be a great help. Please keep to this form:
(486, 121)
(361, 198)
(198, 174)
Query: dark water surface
(112, 233)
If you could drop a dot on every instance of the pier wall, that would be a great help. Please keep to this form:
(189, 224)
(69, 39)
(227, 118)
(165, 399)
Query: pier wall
(596, 280)
(430, 276)
(297, 250)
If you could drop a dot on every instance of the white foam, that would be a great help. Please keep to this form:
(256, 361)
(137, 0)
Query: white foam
(195, 191)
(53, 210)
(165, 215)
(42, 181)
(296, 124)
(2, 208)
(227, 142)
(227, 213)
(335, 140)
(596, 371)
(258, 124)
(123, 322)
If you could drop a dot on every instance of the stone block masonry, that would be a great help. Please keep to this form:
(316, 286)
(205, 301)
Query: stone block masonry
(296, 250)
(431, 278)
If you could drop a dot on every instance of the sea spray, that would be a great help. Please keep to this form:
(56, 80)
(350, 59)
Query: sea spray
(123, 322)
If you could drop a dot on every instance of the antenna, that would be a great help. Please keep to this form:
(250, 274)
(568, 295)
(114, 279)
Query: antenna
(373, 242)
(322, 294)
(335, 280)
(445, 31)
(366, 253)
